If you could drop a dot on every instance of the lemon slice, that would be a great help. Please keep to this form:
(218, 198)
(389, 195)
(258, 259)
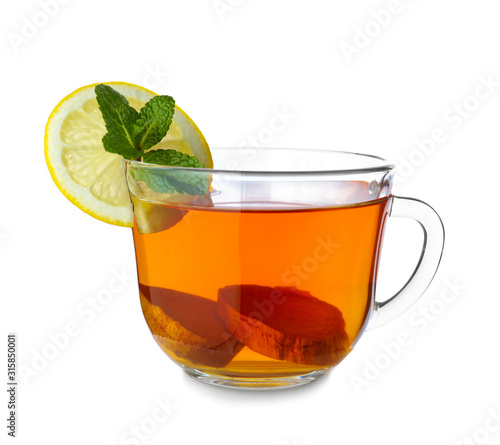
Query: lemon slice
(90, 177)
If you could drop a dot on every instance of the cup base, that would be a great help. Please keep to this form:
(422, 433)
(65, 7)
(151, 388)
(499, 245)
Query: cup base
(254, 383)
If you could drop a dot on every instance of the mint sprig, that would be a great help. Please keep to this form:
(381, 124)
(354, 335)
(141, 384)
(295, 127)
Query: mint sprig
(131, 133)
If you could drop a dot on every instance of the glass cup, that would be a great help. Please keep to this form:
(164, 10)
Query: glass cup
(262, 273)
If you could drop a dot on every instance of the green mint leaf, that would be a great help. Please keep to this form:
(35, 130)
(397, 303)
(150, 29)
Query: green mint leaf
(120, 119)
(172, 180)
(154, 121)
(171, 157)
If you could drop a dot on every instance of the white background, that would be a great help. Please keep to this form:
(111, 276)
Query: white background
(231, 64)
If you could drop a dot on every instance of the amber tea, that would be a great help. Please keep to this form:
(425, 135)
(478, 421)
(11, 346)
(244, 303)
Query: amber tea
(247, 293)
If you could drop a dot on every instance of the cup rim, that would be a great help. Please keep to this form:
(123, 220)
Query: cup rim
(384, 165)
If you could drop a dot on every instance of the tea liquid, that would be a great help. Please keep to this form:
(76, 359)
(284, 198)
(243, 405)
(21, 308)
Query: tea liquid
(280, 292)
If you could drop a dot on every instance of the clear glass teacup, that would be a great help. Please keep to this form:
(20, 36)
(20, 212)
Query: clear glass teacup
(262, 273)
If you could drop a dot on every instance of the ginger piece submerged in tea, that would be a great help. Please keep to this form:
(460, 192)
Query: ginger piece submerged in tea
(284, 323)
(188, 326)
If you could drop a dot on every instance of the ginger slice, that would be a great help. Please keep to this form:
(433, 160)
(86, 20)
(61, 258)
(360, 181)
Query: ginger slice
(284, 323)
(187, 325)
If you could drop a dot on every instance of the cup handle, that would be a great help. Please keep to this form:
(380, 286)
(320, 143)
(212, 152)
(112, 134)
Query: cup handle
(428, 263)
